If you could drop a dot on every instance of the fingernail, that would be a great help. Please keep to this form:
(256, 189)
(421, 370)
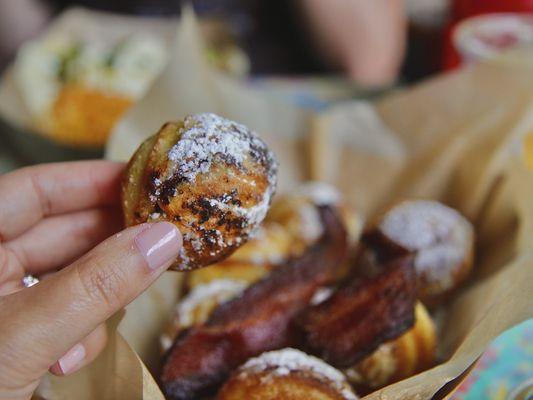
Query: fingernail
(72, 359)
(159, 244)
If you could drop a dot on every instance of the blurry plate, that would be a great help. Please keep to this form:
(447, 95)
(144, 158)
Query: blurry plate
(31, 148)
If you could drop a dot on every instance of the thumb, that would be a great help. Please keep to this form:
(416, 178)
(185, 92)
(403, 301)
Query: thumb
(48, 319)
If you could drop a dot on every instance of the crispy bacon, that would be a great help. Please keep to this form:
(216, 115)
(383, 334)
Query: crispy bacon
(259, 320)
(361, 315)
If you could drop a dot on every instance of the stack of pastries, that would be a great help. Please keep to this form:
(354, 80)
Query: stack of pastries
(311, 303)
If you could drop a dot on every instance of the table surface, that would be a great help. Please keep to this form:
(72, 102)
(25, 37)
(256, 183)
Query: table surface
(505, 367)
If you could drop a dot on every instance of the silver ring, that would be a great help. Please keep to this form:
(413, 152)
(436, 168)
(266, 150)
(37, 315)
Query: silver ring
(29, 281)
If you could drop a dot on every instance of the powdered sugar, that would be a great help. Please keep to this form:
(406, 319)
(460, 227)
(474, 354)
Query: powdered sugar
(320, 193)
(311, 225)
(213, 221)
(439, 234)
(208, 137)
(252, 215)
(285, 361)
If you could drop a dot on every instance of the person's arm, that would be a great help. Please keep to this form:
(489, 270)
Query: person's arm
(366, 38)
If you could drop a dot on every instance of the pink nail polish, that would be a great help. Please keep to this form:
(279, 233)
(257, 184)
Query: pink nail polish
(72, 358)
(159, 244)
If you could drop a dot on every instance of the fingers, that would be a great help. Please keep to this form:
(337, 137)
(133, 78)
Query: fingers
(29, 194)
(61, 310)
(58, 240)
(11, 271)
(82, 353)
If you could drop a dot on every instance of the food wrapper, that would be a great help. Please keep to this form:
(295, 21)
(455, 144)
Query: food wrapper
(465, 138)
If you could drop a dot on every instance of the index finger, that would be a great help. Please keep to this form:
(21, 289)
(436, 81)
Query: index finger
(32, 193)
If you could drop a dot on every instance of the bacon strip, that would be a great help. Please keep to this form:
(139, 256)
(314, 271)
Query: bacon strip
(258, 321)
(361, 315)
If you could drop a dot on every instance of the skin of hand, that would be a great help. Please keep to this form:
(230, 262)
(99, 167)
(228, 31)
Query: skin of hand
(366, 38)
(53, 221)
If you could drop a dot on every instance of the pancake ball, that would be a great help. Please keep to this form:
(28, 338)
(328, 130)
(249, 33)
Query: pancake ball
(212, 177)
(441, 239)
(286, 374)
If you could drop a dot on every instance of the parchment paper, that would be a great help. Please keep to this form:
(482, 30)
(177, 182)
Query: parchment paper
(462, 138)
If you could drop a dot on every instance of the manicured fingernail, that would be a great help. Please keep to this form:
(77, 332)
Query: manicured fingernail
(72, 359)
(159, 244)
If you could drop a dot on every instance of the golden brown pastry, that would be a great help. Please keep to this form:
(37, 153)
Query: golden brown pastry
(212, 177)
(227, 269)
(269, 246)
(286, 374)
(82, 116)
(400, 358)
(291, 226)
(298, 213)
(197, 305)
(441, 239)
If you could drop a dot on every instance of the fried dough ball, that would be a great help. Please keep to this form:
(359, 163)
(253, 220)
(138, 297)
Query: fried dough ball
(400, 358)
(292, 225)
(196, 307)
(441, 238)
(298, 213)
(286, 374)
(212, 177)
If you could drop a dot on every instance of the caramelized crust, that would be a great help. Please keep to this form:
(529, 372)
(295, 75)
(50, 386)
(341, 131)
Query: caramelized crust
(211, 177)
(270, 246)
(257, 321)
(292, 225)
(356, 319)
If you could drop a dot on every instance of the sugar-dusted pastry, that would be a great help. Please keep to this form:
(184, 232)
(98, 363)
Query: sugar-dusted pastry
(441, 239)
(269, 246)
(212, 177)
(197, 305)
(297, 212)
(286, 374)
(400, 358)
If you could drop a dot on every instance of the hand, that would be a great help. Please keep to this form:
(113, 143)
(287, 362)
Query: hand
(49, 216)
